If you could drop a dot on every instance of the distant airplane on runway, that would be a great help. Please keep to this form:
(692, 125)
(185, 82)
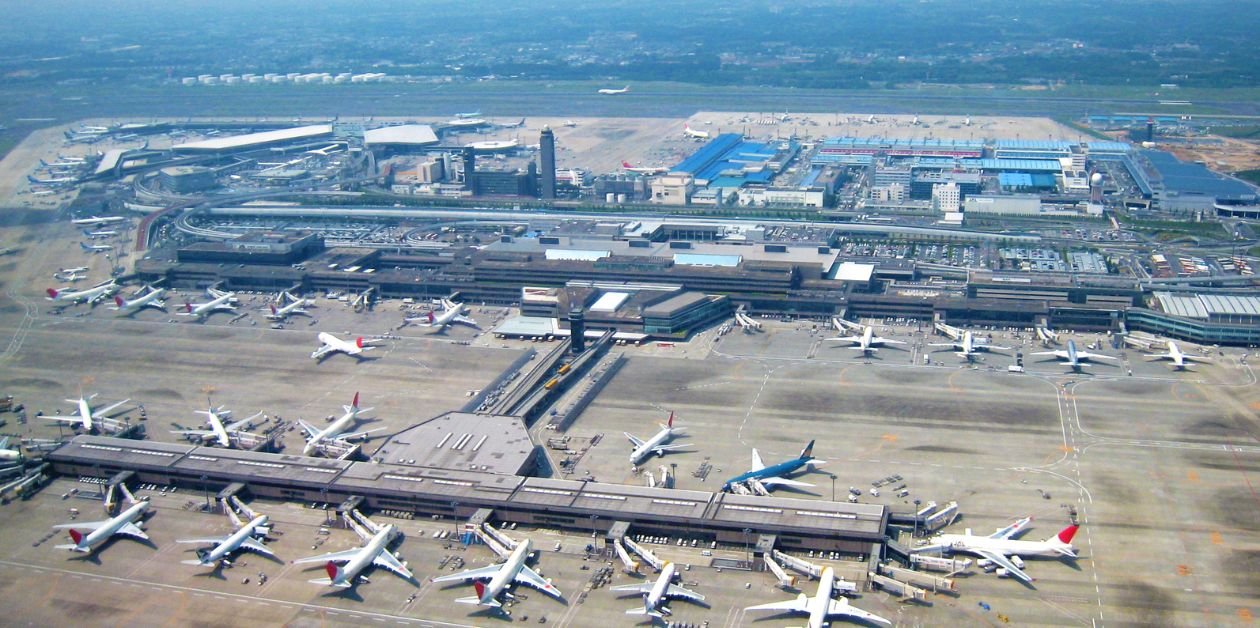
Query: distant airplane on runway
(694, 134)
(613, 92)
(333, 344)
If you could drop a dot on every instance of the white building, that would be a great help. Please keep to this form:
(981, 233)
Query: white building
(946, 198)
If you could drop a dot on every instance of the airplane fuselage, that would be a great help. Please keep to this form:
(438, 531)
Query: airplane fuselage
(365, 556)
(233, 543)
(964, 543)
(99, 535)
(657, 594)
(773, 471)
(140, 302)
(331, 432)
(645, 450)
(507, 573)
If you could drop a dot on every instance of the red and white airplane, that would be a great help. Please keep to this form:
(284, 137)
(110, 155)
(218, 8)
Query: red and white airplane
(643, 170)
(655, 593)
(1178, 358)
(694, 134)
(512, 570)
(152, 297)
(451, 313)
(92, 295)
(295, 306)
(333, 344)
(375, 552)
(88, 535)
(220, 302)
(316, 438)
(1002, 551)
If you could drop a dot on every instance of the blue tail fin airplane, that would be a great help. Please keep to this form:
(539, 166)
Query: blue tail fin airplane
(761, 478)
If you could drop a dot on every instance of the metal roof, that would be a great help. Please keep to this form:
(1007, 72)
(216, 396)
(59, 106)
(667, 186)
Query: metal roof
(1034, 165)
(1183, 178)
(702, 259)
(1050, 145)
(409, 134)
(609, 301)
(256, 139)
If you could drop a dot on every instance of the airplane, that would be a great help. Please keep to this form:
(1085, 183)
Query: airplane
(96, 248)
(333, 344)
(654, 594)
(654, 445)
(225, 546)
(151, 298)
(42, 193)
(760, 478)
(331, 149)
(283, 312)
(52, 181)
(451, 313)
(513, 125)
(512, 570)
(335, 431)
(1073, 357)
(221, 301)
(1178, 358)
(968, 347)
(465, 116)
(98, 220)
(88, 418)
(613, 92)
(91, 296)
(69, 277)
(570, 123)
(374, 552)
(223, 434)
(643, 170)
(867, 341)
(1002, 550)
(71, 159)
(60, 164)
(821, 606)
(694, 134)
(87, 233)
(9, 455)
(99, 531)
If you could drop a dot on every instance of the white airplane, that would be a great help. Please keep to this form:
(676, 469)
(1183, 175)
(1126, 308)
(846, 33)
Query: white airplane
(98, 220)
(331, 149)
(88, 417)
(512, 570)
(225, 546)
(333, 344)
(9, 455)
(1074, 358)
(71, 159)
(654, 594)
(613, 92)
(294, 307)
(968, 347)
(221, 301)
(1178, 358)
(60, 164)
(50, 181)
(98, 532)
(465, 116)
(1002, 551)
(867, 341)
(336, 431)
(374, 552)
(821, 606)
(643, 170)
(71, 277)
(91, 296)
(151, 298)
(694, 134)
(513, 125)
(96, 248)
(87, 233)
(654, 445)
(223, 434)
(451, 313)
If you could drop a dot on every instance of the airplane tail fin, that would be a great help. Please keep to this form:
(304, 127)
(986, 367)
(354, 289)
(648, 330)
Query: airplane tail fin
(358, 342)
(1065, 536)
(808, 452)
(334, 574)
(670, 422)
(273, 310)
(119, 301)
(52, 293)
(480, 598)
(431, 318)
(354, 403)
(76, 536)
(188, 308)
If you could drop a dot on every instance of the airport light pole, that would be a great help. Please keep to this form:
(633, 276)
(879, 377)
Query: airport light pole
(323, 497)
(205, 489)
(833, 487)
(454, 519)
(747, 549)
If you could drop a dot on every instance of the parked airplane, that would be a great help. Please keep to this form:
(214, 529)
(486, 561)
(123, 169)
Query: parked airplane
(294, 307)
(50, 181)
(644, 170)
(152, 297)
(654, 445)
(335, 431)
(761, 478)
(465, 116)
(613, 92)
(91, 296)
(1074, 358)
(242, 539)
(332, 344)
(821, 606)
(1002, 550)
(9, 455)
(513, 125)
(500, 576)
(70, 277)
(88, 535)
(1178, 358)
(451, 313)
(655, 593)
(88, 418)
(867, 341)
(694, 134)
(87, 233)
(61, 164)
(374, 552)
(96, 248)
(221, 301)
(98, 220)
(968, 347)
(224, 435)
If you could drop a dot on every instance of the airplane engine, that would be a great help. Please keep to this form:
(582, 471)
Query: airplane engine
(1019, 562)
(1002, 573)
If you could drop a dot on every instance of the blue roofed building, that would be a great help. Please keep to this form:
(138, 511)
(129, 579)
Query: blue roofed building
(1177, 185)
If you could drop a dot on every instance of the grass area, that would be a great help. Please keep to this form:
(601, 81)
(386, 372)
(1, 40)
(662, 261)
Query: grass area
(1250, 176)
(1167, 230)
(1242, 132)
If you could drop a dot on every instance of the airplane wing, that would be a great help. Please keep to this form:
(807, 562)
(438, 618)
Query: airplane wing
(239, 425)
(757, 464)
(638, 442)
(1011, 530)
(1058, 354)
(989, 346)
(333, 556)
(471, 574)
(1162, 355)
(676, 591)
(202, 433)
(110, 408)
(308, 428)
(842, 607)
(466, 321)
(353, 435)
(783, 482)
(645, 587)
(1081, 355)
(132, 530)
(531, 577)
(84, 525)
(1005, 563)
(205, 541)
(254, 545)
(946, 344)
(888, 341)
(322, 351)
(800, 605)
(663, 448)
(846, 339)
(63, 419)
(388, 561)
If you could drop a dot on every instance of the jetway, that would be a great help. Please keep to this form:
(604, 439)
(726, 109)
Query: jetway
(896, 587)
(918, 578)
